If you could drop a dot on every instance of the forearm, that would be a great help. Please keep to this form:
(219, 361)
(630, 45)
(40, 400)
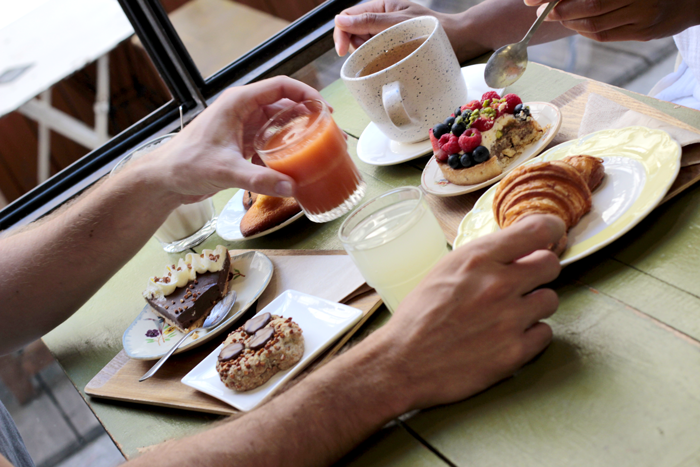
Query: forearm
(51, 269)
(314, 423)
(494, 23)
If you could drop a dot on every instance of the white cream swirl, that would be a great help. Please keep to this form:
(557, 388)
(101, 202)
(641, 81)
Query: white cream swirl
(185, 271)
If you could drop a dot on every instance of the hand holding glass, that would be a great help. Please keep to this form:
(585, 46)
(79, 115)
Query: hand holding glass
(304, 142)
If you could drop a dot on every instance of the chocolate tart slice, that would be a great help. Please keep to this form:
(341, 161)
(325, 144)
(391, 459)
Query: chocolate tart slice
(187, 307)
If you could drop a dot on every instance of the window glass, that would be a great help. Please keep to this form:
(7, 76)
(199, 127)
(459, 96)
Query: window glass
(71, 78)
(217, 32)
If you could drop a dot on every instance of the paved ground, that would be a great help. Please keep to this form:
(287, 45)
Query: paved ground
(59, 428)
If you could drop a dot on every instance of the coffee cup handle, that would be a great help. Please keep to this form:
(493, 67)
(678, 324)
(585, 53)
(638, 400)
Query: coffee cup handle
(393, 105)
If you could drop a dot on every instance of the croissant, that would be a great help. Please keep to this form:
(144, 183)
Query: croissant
(562, 188)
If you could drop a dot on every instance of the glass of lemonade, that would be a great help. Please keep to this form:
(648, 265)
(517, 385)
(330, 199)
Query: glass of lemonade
(395, 240)
(304, 142)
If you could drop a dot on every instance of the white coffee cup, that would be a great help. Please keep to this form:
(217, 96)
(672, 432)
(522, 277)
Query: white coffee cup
(409, 97)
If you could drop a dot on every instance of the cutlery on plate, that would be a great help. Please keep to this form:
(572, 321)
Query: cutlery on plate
(508, 63)
(217, 314)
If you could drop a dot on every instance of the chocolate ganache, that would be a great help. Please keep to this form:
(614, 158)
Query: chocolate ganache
(188, 305)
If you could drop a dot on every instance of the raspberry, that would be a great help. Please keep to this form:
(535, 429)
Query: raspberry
(434, 141)
(470, 139)
(472, 105)
(452, 146)
(491, 95)
(441, 155)
(512, 100)
(483, 124)
(444, 139)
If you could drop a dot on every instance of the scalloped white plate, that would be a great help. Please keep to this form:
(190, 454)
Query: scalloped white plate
(640, 166)
(257, 269)
(546, 114)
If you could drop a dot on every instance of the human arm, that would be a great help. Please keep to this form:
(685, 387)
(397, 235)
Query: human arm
(482, 28)
(623, 20)
(50, 269)
(472, 322)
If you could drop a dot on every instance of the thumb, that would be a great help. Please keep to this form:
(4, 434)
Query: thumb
(263, 180)
(366, 23)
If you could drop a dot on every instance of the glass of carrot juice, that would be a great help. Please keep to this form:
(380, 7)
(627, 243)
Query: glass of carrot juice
(304, 142)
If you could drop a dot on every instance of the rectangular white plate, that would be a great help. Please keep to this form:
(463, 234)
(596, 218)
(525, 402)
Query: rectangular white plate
(321, 321)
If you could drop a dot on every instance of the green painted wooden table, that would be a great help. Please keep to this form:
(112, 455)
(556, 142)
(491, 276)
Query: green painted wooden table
(620, 385)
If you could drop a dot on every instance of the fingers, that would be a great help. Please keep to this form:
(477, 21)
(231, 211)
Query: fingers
(259, 179)
(535, 340)
(272, 90)
(535, 232)
(540, 304)
(342, 41)
(368, 22)
(535, 269)
(568, 10)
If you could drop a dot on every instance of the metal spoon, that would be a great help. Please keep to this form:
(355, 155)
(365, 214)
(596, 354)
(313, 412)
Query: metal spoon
(218, 313)
(508, 63)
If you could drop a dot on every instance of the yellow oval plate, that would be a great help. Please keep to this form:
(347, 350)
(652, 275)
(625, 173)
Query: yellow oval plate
(640, 166)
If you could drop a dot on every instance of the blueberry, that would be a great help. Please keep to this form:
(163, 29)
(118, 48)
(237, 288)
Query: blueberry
(458, 112)
(440, 129)
(449, 121)
(453, 161)
(521, 111)
(466, 114)
(518, 108)
(480, 154)
(466, 160)
(458, 129)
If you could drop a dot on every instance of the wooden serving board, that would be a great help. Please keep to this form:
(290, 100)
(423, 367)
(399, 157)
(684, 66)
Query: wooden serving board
(572, 104)
(119, 379)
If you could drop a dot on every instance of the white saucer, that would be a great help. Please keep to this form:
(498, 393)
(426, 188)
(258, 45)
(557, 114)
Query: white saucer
(228, 224)
(376, 149)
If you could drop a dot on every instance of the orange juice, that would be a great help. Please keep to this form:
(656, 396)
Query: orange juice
(309, 147)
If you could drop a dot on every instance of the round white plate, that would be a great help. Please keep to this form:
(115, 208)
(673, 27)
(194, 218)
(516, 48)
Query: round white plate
(377, 149)
(640, 166)
(549, 118)
(257, 272)
(228, 224)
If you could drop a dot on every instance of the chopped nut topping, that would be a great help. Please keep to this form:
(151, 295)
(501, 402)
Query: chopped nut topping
(166, 280)
(182, 301)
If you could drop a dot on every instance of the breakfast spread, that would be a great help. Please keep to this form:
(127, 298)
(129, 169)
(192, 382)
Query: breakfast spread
(562, 188)
(185, 294)
(482, 137)
(265, 212)
(263, 346)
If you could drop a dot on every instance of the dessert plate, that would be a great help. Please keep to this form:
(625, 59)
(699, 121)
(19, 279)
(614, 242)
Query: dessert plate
(228, 224)
(640, 166)
(546, 114)
(149, 337)
(377, 149)
(321, 321)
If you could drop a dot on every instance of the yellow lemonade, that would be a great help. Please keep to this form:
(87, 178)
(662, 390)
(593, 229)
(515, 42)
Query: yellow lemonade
(395, 247)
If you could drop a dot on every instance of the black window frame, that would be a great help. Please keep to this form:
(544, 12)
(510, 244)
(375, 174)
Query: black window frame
(298, 44)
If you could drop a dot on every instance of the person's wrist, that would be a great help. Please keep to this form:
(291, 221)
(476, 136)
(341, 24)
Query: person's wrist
(459, 28)
(379, 361)
(146, 179)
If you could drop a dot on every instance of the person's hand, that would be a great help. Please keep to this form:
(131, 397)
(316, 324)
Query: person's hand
(211, 153)
(357, 24)
(475, 318)
(623, 20)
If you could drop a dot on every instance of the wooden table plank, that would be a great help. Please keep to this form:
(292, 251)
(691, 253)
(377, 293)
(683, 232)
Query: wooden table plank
(614, 388)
